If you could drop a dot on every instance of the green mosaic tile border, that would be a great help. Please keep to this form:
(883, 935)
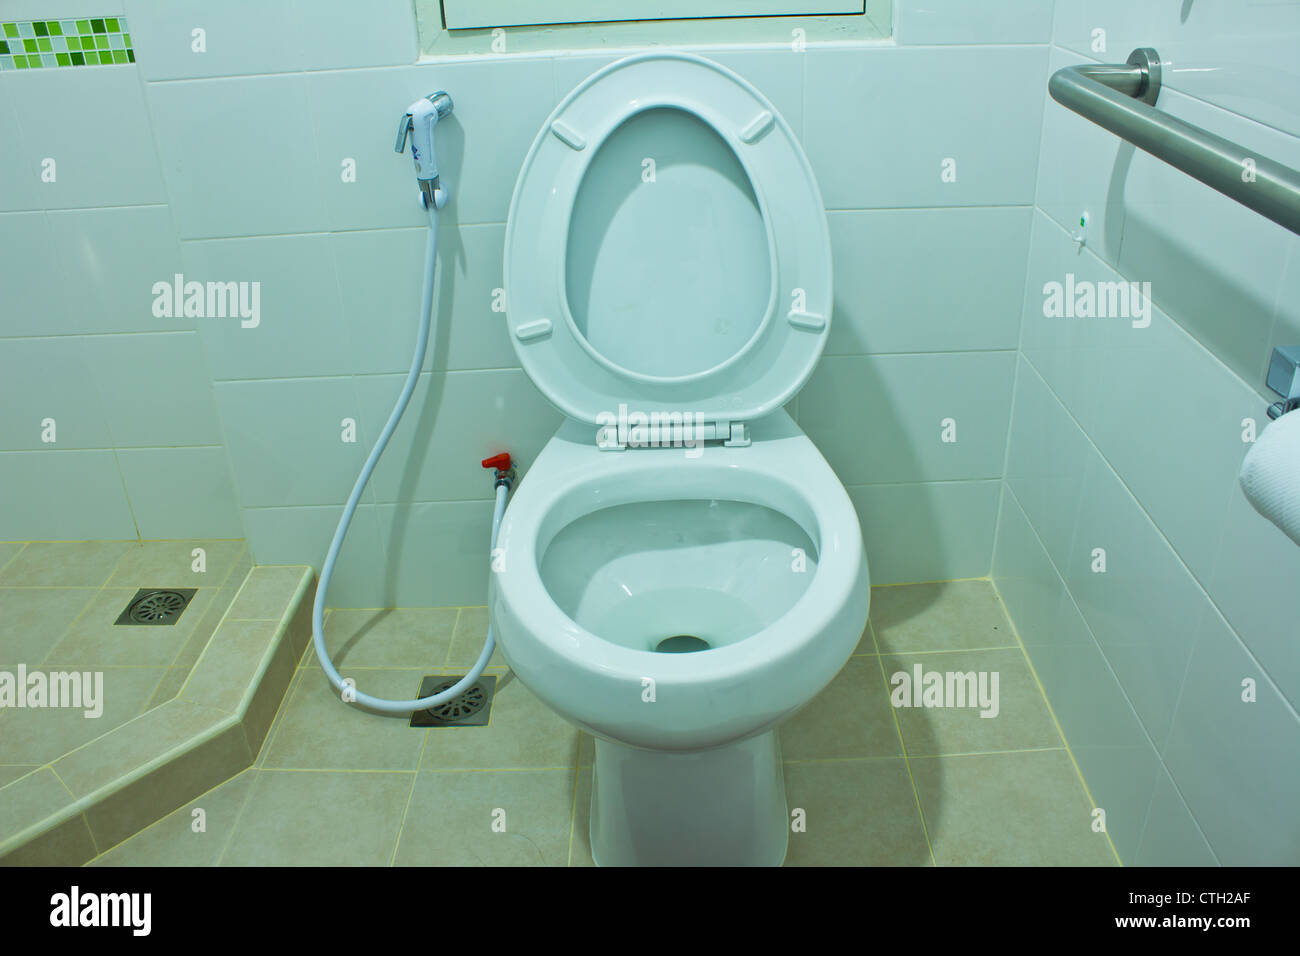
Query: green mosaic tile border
(35, 44)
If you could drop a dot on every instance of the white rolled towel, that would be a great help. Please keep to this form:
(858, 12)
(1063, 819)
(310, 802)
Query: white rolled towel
(1270, 474)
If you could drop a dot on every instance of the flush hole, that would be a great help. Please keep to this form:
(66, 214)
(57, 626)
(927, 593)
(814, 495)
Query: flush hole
(682, 644)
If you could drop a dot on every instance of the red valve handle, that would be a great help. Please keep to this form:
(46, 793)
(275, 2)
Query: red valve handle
(500, 462)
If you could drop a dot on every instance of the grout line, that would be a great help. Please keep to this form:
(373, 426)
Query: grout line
(907, 765)
(239, 814)
(950, 650)
(1043, 693)
(573, 803)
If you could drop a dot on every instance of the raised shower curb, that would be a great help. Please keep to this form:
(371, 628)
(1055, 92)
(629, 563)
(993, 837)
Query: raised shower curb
(92, 798)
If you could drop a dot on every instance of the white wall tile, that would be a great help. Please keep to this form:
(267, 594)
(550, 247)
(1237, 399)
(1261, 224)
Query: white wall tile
(881, 418)
(50, 378)
(303, 535)
(16, 170)
(927, 531)
(154, 388)
(1171, 836)
(1046, 460)
(285, 438)
(238, 36)
(1144, 608)
(1234, 761)
(108, 282)
(380, 272)
(239, 156)
(181, 492)
(1254, 577)
(268, 36)
(299, 331)
(879, 122)
(93, 123)
(959, 21)
(435, 553)
(962, 293)
(63, 496)
(35, 300)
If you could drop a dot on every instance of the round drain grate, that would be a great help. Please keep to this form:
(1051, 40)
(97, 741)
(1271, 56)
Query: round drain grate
(158, 607)
(466, 705)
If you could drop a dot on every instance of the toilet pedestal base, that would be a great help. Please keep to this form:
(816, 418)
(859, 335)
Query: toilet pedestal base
(723, 807)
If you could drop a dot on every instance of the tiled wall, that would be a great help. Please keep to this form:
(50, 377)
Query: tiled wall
(228, 165)
(86, 229)
(1129, 439)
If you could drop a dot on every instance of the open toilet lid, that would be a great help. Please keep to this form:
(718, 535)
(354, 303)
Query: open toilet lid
(666, 248)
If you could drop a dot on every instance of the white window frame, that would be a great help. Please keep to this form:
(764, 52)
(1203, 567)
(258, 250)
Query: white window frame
(479, 14)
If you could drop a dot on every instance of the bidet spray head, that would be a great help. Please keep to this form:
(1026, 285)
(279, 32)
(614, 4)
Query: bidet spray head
(417, 124)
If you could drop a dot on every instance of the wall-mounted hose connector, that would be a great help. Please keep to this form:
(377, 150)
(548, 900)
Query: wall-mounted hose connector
(506, 474)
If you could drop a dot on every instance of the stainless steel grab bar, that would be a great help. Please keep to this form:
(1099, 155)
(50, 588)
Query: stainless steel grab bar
(1121, 97)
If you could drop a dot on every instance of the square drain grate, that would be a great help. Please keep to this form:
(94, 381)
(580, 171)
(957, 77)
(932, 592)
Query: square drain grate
(471, 709)
(156, 607)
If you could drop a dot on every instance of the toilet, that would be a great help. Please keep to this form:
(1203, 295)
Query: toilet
(680, 570)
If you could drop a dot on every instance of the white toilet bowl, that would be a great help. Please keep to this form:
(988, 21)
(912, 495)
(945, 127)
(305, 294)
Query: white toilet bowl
(679, 578)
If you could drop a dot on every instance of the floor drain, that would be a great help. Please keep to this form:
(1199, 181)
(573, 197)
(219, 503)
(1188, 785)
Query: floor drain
(471, 709)
(682, 644)
(156, 606)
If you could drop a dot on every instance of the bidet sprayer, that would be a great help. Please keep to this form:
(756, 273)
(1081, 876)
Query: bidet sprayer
(418, 123)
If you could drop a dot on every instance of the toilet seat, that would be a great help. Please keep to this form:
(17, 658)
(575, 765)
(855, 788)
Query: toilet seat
(774, 362)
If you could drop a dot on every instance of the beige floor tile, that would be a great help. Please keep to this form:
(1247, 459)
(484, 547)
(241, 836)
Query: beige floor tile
(63, 564)
(183, 838)
(1022, 720)
(11, 772)
(947, 616)
(467, 642)
(318, 731)
(1013, 809)
(855, 813)
(94, 640)
(8, 551)
(294, 818)
(170, 564)
(523, 734)
(169, 686)
(388, 637)
(850, 718)
(472, 818)
(35, 618)
(266, 593)
(41, 735)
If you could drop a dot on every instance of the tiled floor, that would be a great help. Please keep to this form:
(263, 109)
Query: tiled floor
(58, 602)
(876, 785)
